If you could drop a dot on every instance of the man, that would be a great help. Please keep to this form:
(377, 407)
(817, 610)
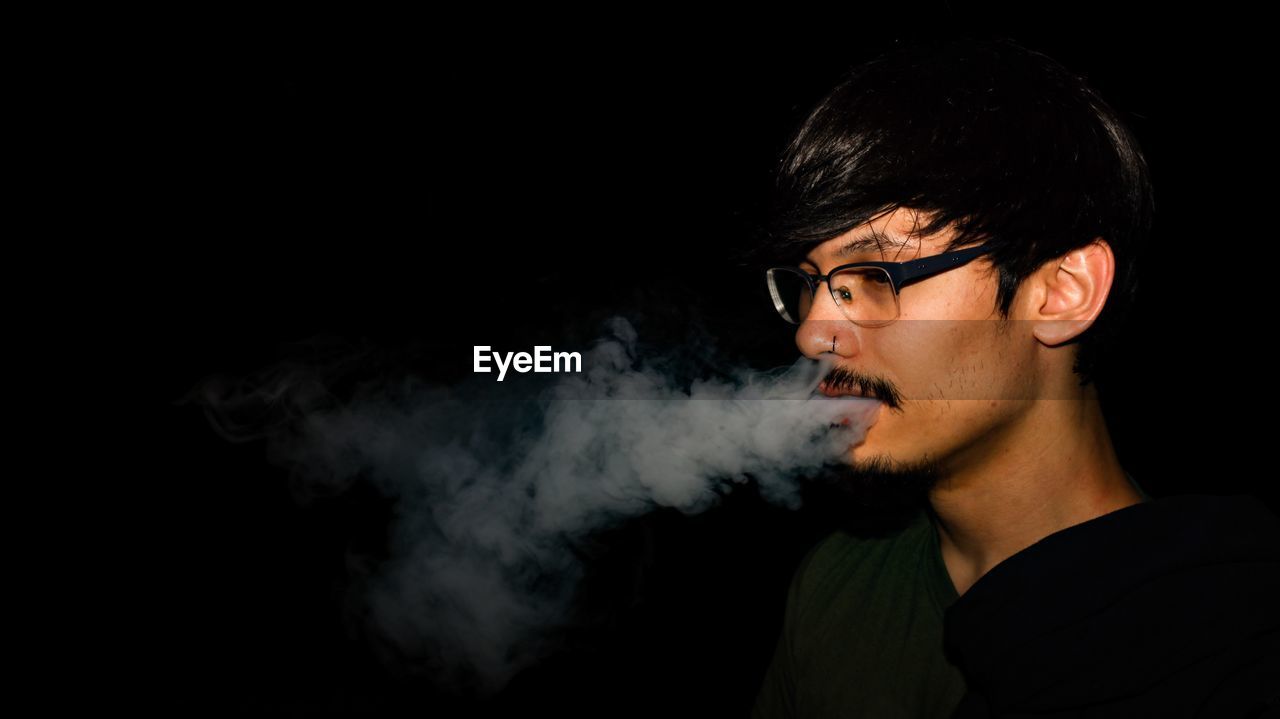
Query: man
(1035, 577)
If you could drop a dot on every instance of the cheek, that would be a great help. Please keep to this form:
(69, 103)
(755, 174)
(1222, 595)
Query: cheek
(961, 294)
(954, 360)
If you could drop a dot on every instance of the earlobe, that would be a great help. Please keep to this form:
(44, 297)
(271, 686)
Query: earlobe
(1075, 288)
(1056, 332)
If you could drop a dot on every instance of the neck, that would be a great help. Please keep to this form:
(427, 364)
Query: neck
(1051, 468)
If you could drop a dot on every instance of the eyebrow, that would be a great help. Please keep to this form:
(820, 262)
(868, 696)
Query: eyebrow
(868, 240)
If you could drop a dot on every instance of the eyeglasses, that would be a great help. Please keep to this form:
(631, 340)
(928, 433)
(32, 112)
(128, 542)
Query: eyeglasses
(867, 292)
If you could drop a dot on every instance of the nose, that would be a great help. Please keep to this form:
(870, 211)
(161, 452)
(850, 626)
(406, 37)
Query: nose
(826, 329)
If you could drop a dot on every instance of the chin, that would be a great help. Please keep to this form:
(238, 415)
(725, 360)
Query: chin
(883, 449)
(884, 481)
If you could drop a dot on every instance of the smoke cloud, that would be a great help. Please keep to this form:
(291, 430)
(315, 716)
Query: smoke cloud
(497, 489)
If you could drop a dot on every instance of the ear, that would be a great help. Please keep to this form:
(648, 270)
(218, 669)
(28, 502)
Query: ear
(1074, 289)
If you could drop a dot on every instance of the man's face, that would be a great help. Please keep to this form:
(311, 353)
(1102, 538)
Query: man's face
(948, 371)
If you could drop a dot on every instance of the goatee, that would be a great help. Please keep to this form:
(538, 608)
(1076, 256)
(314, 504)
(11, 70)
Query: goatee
(874, 496)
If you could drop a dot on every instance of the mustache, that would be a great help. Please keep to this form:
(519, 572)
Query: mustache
(842, 379)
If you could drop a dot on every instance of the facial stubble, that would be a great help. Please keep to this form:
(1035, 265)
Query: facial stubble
(878, 493)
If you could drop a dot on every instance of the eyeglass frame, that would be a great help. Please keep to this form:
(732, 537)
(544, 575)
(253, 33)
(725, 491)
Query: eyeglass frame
(900, 274)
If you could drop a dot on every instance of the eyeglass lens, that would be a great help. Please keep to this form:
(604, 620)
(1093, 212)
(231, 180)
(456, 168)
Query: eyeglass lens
(864, 294)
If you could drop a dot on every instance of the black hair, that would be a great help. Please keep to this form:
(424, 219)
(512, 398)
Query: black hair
(997, 141)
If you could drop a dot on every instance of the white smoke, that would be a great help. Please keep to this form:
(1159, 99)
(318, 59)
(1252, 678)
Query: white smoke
(493, 494)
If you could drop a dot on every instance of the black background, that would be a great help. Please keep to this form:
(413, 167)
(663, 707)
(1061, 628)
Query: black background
(349, 179)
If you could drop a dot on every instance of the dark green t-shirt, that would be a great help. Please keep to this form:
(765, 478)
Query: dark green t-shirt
(862, 632)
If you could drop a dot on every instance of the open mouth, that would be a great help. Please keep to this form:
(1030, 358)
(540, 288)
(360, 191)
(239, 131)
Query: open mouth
(861, 414)
(853, 391)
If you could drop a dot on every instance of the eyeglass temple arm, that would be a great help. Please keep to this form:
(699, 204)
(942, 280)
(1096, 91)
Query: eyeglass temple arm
(919, 269)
